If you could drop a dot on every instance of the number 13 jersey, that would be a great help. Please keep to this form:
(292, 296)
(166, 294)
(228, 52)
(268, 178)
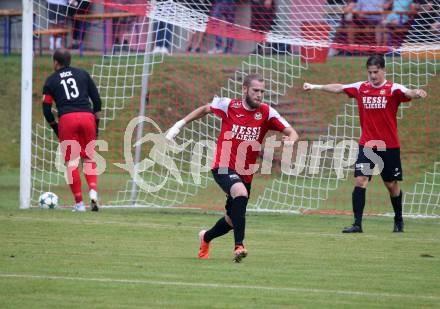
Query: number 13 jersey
(71, 89)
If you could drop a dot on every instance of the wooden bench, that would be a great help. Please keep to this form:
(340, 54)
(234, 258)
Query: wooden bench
(54, 31)
(102, 17)
(340, 10)
(10, 12)
(364, 30)
(397, 34)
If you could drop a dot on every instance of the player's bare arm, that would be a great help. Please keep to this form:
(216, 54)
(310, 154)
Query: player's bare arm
(290, 135)
(332, 88)
(194, 115)
(416, 93)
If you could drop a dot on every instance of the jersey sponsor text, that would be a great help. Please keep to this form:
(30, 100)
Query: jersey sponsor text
(245, 133)
(374, 102)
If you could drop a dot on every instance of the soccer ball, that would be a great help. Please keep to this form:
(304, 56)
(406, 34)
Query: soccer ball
(48, 200)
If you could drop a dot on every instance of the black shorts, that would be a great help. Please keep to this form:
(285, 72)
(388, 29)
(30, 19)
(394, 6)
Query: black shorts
(390, 166)
(226, 180)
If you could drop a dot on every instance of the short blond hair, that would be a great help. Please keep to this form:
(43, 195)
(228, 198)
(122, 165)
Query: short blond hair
(249, 78)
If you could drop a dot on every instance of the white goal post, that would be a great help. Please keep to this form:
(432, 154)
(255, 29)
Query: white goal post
(26, 105)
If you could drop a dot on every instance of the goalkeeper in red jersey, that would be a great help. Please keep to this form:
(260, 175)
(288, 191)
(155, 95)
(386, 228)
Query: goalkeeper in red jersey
(378, 101)
(244, 125)
(71, 88)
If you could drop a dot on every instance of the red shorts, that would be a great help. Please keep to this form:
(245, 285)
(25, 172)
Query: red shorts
(77, 134)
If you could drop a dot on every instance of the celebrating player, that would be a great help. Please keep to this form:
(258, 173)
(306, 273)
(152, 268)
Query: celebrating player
(71, 89)
(378, 101)
(244, 124)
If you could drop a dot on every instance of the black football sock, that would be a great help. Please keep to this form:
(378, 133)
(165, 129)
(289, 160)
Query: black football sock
(358, 200)
(238, 217)
(397, 206)
(219, 229)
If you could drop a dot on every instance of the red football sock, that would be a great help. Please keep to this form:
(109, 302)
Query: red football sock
(90, 174)
(75, 183)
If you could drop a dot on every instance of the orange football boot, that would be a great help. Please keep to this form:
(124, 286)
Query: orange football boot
(204, 246)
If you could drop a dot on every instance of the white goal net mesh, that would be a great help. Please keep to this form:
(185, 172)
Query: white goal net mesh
(169, 51)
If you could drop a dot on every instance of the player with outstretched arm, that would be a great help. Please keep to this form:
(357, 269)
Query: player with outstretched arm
(70, 88)
(244, 125)
(378, 101)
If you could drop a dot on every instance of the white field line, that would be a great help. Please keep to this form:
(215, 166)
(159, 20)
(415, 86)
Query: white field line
(198, 227)
(223, 286)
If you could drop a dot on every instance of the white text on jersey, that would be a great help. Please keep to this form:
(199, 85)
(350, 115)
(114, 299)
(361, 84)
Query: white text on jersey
(374, 102)
(245, 133)
(65, 74)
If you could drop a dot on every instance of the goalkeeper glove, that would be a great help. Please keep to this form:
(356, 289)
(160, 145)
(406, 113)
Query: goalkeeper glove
(54, 126)
(175, 129)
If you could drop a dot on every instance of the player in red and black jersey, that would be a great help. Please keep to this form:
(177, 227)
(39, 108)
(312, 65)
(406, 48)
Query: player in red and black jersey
(244, 125)
(71, 89)
(378, 101)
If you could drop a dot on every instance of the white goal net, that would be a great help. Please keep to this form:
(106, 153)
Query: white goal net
(166, 55)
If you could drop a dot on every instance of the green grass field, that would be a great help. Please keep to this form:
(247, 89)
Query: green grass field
(146, 258)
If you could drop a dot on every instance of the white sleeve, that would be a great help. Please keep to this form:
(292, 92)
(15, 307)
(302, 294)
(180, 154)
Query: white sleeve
(400, 87)
(274, 115)
(221, 104)
(356, 85)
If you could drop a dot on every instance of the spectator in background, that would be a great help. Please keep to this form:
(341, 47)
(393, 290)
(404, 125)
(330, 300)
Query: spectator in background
(394, 20)
(121, 28)
(57, 11)
(163, 35)
(195, 42)
(196, 38)
(224, 10)
(78, 7)
(164, 32)
(333, 11)
(399, 6)
(337, 16)
(365, 14)
(262, 17)
(425, 23)
(336, 2)
(436, 27)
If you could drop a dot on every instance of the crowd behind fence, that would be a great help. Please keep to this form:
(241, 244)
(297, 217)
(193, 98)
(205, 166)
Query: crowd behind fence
(88, 27)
